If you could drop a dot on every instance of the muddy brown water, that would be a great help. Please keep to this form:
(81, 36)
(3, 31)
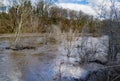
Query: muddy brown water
(28, 64)
(41, 63)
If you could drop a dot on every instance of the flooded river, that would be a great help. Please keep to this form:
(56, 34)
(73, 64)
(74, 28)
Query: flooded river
(29, 64)
(43, 62)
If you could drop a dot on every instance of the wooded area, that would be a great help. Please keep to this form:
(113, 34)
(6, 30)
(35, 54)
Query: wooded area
(41, 16)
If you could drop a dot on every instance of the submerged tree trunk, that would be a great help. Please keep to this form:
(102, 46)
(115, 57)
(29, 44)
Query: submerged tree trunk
(18, 32)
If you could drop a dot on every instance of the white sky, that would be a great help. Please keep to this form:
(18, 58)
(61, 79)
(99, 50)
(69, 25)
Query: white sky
(89, 8)
(77, 7)
(4, 2)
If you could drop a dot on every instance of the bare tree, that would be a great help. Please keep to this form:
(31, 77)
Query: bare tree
(22, 12)
(113, 31)
(111, 17)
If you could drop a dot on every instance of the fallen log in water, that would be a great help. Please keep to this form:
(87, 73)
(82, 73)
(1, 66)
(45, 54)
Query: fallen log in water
(17, 48)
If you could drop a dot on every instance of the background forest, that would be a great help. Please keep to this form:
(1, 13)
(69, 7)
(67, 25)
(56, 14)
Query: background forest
(42, 15)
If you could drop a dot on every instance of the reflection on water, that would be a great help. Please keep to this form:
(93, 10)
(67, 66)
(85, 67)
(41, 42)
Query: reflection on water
(36, 67)
(40, 64)
(26, 65)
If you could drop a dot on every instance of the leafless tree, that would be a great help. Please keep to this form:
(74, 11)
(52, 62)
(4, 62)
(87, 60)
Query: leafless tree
(111, 19)
(22, 13)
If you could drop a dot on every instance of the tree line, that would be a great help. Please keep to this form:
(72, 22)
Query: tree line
(39, 18)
